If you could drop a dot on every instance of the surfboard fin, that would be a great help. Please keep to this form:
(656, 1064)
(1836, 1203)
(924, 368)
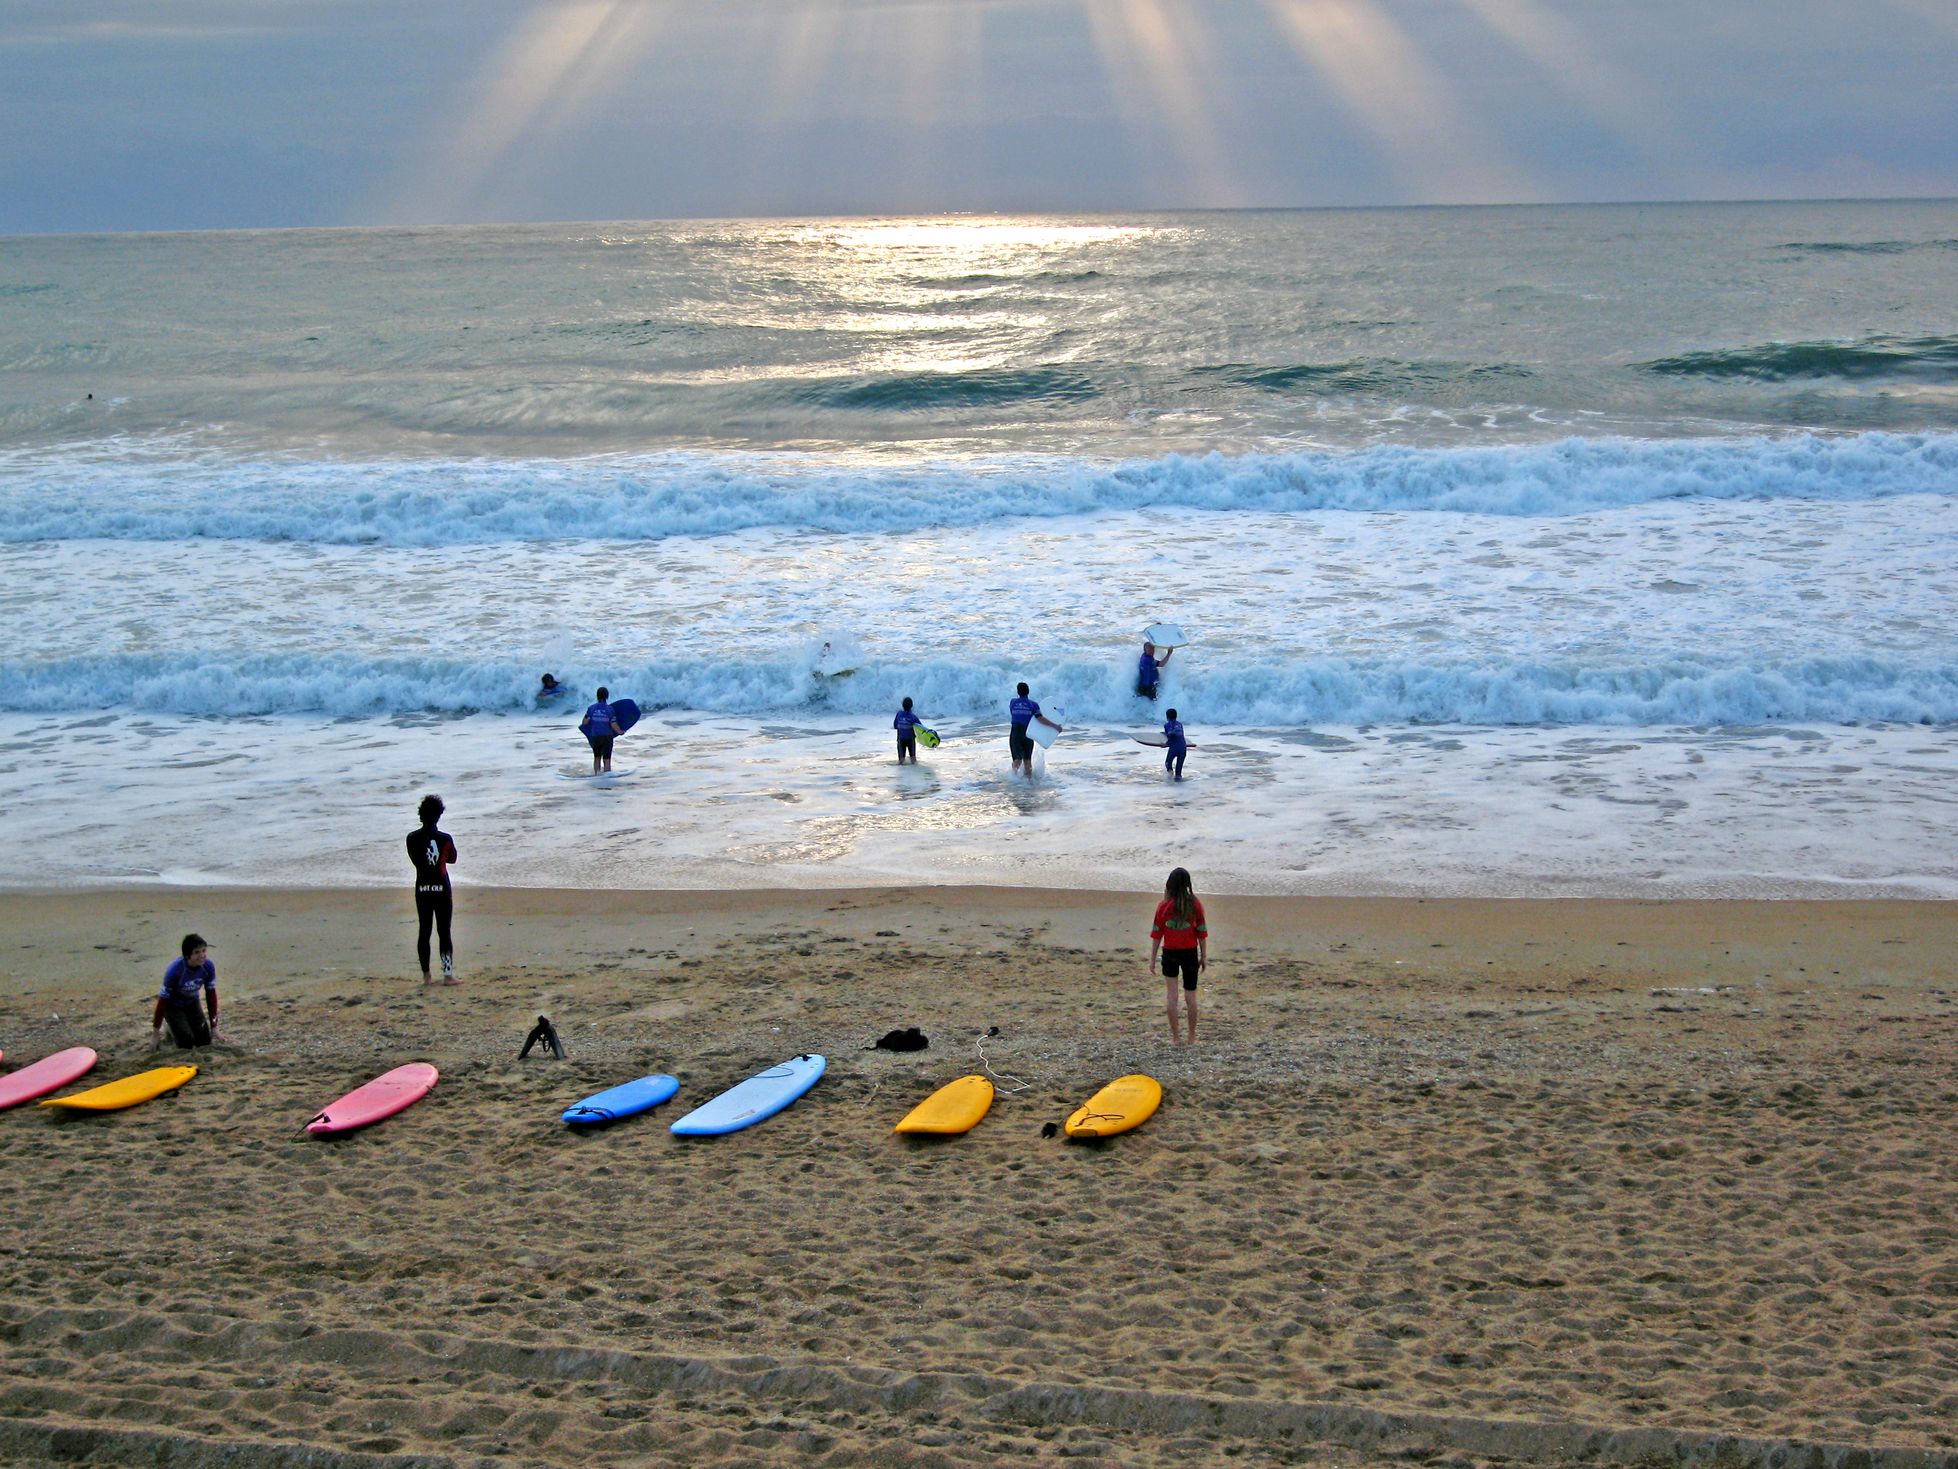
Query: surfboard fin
(545, 1033)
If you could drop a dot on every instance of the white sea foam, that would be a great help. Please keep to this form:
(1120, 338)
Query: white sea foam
(161, 497)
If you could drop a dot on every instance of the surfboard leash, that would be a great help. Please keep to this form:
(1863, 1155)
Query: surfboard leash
(980, 1046)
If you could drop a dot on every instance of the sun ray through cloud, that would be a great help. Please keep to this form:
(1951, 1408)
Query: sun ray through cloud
(1162, 72)
(557, 61)
(1430, 145)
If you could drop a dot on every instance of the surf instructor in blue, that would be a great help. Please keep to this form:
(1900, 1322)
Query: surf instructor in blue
(1022, 712)
(601, 727)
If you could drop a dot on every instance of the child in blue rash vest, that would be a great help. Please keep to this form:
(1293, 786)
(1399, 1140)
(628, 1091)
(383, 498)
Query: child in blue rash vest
(906, 724)
(176, 1003)
(1022, 712)
(1178, 746)
(1149, 669)
(600, 728)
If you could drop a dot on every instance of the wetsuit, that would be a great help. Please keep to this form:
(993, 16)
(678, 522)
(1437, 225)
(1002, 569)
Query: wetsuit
(1021, 713)
(1178, 747)
(1147, 673)
(432, 851)
(176, 1002)
(906, 724)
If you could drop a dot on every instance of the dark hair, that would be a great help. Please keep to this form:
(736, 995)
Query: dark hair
(193, 941)
(1024, 691)
(550, 681)
(1182, 894)
(603, 692)
(907, 701)
(1172, 714)
(430, 810)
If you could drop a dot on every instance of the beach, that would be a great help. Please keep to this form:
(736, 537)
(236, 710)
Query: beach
(1449, 1180)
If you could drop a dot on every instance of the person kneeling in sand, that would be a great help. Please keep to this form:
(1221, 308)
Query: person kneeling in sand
(176, 1002)
(1183, 941)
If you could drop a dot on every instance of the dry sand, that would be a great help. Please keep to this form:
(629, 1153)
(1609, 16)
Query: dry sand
(1454, 1182)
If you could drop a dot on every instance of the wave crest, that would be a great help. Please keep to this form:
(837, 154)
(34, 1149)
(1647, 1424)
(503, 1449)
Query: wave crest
(1660, 692)
(162, 497)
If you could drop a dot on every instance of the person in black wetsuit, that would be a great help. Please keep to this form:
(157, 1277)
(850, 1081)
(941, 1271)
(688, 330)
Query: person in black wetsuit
(432, 851)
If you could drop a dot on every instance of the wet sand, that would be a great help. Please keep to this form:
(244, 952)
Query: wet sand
(1457, 1182)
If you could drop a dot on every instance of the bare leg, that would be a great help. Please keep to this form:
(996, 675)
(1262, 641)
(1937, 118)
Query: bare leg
(1169, 1008)
(1190, 1013)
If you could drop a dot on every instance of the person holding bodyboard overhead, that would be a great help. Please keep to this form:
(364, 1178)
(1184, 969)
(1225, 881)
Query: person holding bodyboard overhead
(1148, 669)
(1022, 712)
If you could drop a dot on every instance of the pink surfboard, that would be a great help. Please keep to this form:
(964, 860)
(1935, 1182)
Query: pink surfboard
(49, 1074)
(382, 1097)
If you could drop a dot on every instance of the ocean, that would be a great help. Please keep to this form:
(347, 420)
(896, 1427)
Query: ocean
(1524, 551)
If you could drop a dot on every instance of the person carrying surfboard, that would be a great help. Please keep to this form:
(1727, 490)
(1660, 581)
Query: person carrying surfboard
(1176, 746)
(176, 1003)
(432, 851)
(1148, 670)
(1022, 712)
(601, 727)
(1182, 939)
(906, 724)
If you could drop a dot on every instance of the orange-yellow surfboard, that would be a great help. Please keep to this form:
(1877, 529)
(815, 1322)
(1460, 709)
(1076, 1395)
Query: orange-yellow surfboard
(1127, 1101)
(955, 1107)
(126, 1093)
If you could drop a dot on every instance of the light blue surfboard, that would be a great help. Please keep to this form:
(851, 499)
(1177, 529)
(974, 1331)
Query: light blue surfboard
(759, 1097)
(622, 1101)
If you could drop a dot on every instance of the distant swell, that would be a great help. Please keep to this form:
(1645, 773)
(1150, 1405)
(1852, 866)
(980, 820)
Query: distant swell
(899, 392)
(1866, 247)
(1665, 692)
(1367, 375)
(126, 495)
(1915, 359)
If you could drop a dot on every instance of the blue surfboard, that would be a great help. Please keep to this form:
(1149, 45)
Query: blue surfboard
(759, 1097)
(625, 714)
(622, 1101)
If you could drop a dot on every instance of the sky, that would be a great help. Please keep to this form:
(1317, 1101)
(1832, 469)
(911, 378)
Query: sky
(205, 114)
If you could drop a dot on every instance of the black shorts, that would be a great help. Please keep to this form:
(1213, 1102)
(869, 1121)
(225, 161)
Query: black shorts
(908, 745)
(601, 746)
(1146, 691)
(1020, 743)
(1186, 961)
(188, 1027)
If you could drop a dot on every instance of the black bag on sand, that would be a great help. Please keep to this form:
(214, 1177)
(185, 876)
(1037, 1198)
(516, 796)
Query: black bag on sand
(908, 1039)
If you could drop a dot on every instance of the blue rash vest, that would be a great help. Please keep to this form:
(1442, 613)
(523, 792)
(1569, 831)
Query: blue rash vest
(1022, 711)
(1173, 732)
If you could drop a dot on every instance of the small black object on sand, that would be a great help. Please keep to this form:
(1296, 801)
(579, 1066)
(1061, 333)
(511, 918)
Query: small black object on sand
(546, 1033)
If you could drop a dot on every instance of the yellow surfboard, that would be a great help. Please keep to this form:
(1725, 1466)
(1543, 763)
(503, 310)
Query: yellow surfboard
(1127, 1101)
(955, 1107)
(127, 1092)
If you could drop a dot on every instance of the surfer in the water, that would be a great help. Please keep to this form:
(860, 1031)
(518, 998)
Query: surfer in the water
(1148, 670)
(176, 1002)
(549, 689)
(906, 724)
(1177, 746)
(598, 718)
(1182, 940)
(1022, 712)
(432, 851)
